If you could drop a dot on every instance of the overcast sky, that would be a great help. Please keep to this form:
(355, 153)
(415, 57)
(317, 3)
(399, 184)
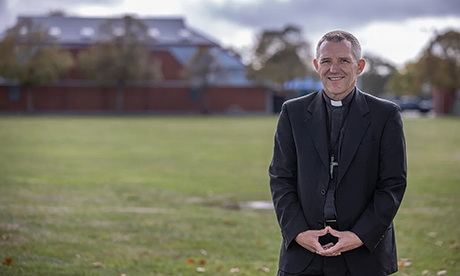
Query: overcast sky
(394, 29)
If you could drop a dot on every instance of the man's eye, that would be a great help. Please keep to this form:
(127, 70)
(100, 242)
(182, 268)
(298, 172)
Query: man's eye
(325, 61)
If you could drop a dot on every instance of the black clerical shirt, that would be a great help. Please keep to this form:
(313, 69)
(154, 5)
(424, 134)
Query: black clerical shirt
(337, 112)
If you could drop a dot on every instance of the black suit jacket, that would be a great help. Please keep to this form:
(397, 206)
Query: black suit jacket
(371, 179)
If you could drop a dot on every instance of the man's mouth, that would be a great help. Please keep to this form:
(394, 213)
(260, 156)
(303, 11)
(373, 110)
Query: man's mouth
(335, 78)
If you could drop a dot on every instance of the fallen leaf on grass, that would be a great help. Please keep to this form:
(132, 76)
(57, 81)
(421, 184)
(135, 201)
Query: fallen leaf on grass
(404, 263)
(203, 252)
(7, 261)
(4, 237)
(234, 270)
(97, 264)
(260, 242)
(442, 272)
(190, 261)
(143, 254)
(453, 245)
(439, 243)
(202, 262)
(219, 268)
(265, 269)
(432, 234)
(425, 272)
(200, 269)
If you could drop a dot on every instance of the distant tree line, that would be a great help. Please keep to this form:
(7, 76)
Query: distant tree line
(284, 54)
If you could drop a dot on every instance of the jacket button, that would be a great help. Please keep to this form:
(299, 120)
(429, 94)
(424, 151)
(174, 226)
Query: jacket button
(323, 192)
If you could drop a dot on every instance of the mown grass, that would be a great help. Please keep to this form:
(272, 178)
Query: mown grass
(147, 195)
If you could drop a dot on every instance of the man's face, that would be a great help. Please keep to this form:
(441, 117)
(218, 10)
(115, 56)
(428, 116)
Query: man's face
(337, 68)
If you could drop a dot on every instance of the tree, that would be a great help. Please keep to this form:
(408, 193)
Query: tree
(376, 75)
(405, 82)
(28, 57)
(202, 70)
(440, 66)
(122, 55)
(279, 56)
(56, 13)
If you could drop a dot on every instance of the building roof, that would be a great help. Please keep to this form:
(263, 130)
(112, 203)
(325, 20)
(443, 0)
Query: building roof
(85, 30)
(184, 54)
(234, 71)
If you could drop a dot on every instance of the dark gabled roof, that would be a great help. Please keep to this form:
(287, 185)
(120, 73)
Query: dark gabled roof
(233, 73)
(184, 54)
(84, 30)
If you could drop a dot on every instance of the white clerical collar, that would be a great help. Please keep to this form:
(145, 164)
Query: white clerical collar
(336, 103)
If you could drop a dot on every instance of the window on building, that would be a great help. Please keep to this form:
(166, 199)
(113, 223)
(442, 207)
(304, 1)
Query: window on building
(184, 33)
(194, 94)
(118, 31)
(14, 93)
(54, 31)
(154, 32)
(87, 33)
(23, 30)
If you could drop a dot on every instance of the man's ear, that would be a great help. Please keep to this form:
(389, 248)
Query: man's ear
(361, 65)
(315, 63)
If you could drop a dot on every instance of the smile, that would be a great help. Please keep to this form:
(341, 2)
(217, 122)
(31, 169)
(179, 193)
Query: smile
(335, 78)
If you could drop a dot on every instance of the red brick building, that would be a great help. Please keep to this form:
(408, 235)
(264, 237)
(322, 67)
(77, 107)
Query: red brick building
(173, 44)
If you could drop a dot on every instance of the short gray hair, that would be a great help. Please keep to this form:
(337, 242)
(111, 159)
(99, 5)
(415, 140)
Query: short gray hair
(337, 36)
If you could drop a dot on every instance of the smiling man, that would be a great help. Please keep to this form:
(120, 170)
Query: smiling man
(338, 64)
(338, 172)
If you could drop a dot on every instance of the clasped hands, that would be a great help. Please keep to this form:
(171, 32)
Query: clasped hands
(347, 241)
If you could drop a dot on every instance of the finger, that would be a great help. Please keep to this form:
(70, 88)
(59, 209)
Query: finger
(318, 248)
(334, 232)
(317, 251)
(322, 232)
(331, 252)
(327, 246)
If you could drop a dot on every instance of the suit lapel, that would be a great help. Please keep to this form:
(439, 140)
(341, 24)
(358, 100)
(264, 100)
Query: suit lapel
(316, 123)
(355, 128)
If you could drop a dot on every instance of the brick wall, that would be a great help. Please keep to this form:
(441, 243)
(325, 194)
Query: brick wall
(136, 99)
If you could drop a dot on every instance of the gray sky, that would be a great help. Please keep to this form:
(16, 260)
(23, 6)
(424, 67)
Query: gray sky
(394, 29)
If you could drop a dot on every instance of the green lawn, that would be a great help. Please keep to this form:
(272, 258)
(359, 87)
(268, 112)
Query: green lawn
(156, 196)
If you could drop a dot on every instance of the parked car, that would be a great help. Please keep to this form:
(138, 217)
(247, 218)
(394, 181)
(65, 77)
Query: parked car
(414, 103)
(425, 106)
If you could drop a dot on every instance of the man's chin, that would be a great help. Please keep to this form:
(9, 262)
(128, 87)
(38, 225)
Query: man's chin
(335, 94)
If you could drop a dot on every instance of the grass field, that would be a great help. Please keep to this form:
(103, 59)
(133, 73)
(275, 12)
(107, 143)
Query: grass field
(158, 196)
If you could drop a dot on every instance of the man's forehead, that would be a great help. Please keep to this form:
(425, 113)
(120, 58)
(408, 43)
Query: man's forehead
(333, 49)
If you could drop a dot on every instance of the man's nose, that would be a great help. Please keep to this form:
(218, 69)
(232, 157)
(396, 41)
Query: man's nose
(335, 68)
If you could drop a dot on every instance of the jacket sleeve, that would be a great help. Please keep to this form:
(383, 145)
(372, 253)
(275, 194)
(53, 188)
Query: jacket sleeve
(283, 181)
(379, 214)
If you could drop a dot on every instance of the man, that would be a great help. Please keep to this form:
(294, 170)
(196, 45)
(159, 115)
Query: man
(338, 172)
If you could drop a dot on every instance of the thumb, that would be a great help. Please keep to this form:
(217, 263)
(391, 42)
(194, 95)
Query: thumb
(322, 232)
(333, 231)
